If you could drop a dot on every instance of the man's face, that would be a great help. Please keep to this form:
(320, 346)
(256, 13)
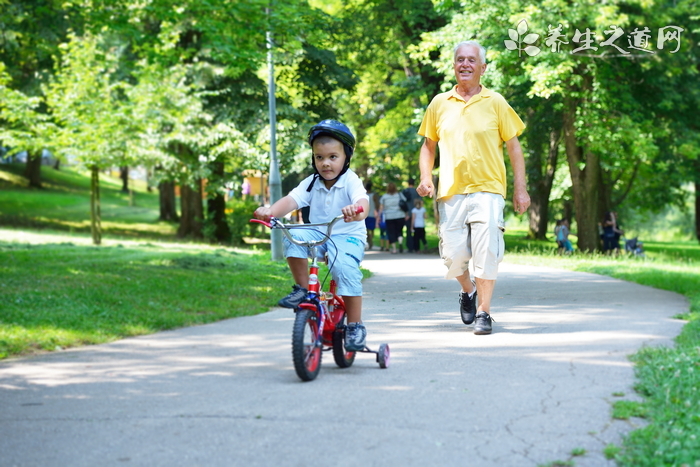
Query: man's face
(468, 67)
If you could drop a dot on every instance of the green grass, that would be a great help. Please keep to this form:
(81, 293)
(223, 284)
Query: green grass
(63, 295)
(63, 204)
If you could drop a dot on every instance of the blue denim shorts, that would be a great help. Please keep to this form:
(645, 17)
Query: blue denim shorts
(345, 253)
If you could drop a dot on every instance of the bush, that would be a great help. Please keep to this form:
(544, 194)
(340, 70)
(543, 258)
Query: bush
(238, 213)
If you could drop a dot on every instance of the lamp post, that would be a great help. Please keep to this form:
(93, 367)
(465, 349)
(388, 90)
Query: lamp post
(275, 179)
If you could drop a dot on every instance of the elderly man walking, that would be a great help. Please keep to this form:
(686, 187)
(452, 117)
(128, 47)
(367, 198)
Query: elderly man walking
(470, 124)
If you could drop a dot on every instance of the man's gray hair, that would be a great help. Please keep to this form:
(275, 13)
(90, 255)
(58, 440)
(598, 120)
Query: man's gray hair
(482, 50)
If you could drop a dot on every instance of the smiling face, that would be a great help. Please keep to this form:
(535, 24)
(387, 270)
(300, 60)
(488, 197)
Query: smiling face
(468, 66)
(329, 158)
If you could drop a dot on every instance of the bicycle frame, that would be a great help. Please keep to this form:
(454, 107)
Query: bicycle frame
(323, 311)
(330, 308)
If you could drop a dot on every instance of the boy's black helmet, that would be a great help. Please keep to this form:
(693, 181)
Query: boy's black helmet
(336, 130)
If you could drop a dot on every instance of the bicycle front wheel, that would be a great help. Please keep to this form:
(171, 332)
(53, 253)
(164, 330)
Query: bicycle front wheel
(306, 356)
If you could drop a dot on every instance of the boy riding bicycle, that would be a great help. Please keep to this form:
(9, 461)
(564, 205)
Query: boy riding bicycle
(332, 188)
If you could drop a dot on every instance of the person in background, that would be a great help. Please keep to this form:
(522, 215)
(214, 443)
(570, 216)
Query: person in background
(611, 233)
(561, 232)
(394, 217)
(418, 225)
(410, 194)
(371, 219)
(383, 237)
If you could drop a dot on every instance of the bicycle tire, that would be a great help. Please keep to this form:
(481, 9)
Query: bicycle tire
(306, 356)
(343, 358)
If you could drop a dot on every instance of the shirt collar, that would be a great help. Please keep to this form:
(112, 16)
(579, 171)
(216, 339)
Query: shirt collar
(484, 93)
(319, 185)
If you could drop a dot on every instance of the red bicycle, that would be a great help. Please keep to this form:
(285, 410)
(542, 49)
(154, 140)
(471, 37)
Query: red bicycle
(319, 324)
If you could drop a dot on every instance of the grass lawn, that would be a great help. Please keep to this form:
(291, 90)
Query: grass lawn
(57, 290)
(64, 204)
(59, 295)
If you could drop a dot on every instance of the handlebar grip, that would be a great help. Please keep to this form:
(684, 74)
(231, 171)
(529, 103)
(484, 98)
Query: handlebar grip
(258, 221)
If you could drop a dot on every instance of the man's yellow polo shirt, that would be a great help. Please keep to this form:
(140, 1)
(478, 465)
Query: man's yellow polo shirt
(470, 136)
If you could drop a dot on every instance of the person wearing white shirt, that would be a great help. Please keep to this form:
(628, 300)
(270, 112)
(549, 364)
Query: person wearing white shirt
(331, 190)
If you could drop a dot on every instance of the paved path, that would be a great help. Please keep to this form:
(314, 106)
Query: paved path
(226, 394)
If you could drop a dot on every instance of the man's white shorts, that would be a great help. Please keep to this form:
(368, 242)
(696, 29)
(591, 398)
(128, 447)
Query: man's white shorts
(471, 228)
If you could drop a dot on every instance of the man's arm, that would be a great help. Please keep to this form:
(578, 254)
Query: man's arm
(521, 200)
(426, 164)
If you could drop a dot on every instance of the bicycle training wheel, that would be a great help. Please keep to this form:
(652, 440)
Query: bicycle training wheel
(383, 356)
(306, 356)
(343, 358)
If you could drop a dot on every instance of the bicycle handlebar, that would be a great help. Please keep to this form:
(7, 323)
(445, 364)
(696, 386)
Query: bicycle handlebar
(277, 224)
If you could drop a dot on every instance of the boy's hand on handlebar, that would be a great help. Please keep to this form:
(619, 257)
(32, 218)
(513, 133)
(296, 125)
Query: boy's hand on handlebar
(351, 212)
(263, 213)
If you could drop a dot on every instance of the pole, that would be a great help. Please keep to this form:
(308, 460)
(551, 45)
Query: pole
(275, 182)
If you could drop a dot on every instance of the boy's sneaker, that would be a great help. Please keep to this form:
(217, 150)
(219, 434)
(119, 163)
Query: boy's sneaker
(483, 323)
(355, 337)
(467, 306)
(295, 298)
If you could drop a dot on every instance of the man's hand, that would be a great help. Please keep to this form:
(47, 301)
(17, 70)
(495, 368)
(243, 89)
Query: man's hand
(425, 188)
(426, 164)
(521, 201)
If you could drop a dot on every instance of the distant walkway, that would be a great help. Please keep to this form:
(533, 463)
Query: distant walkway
(226, 393)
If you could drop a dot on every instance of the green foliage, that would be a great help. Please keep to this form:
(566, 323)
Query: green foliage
(669, 378)
(86, 104)
(239, 212)
(24, 126)
(611, 451)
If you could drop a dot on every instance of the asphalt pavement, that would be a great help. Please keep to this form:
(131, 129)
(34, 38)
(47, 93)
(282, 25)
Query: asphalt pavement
(226, 394)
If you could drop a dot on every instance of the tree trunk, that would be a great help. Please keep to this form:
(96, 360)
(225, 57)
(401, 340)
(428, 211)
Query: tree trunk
(95, 215)
(33, 169)
(585, 176)
(168, 210)
(124, 175)
(192, 210)
(539, 198)
(216, 207)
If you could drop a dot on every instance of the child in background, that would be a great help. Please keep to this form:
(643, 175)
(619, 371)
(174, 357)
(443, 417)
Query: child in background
(561, 231)
(332, 189)
(418, 225)
(383, 237)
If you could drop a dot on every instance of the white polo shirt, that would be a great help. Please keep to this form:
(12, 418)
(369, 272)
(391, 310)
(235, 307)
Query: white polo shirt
(326, 204)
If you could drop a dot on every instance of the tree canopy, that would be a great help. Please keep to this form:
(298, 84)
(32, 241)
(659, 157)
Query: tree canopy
(609, 92)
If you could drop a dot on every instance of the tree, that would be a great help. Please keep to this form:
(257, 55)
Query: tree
(31, 33)
(23, 125)
(394, 85)
(91, 114)
(598, 92)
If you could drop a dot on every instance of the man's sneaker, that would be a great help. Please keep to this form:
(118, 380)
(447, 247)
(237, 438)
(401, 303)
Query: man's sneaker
(467, 306)
(355, 337)
(483, 323)
(293, 300)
